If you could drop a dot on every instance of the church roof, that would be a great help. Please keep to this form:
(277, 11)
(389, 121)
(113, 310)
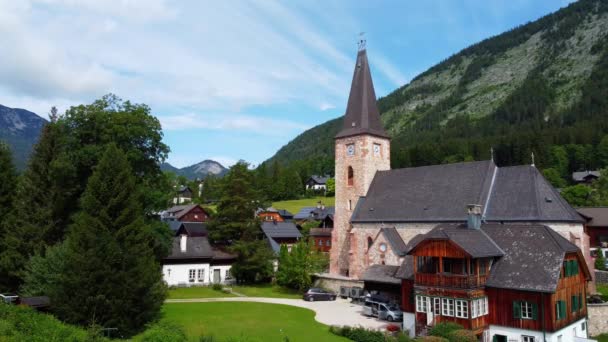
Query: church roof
(362, 115)
(439, 193)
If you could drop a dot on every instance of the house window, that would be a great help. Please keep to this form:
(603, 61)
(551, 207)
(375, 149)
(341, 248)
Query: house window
(527, 338)
(560, 309)
(485, 306)
(421, 304)
(351, 176)
(525, 310)
(437, 306)
(447, 307)
(560, 338)
(475, 308)
(350, 205)
(228, 275)
(462, 309)
(201, 275)
(328, 243)
(483, 266)
(191, 275)
(583, 326)
(377, 149)
(570, 268)
(370, 242)
(479, 307)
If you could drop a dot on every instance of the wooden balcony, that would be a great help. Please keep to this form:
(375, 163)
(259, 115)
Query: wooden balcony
(450, 280)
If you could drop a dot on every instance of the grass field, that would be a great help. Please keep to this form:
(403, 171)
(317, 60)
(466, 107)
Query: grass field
(601, 338)
(255, 322)
(264, 290)
(294, 206)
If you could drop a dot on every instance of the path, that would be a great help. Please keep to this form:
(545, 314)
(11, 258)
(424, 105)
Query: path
(338, 312)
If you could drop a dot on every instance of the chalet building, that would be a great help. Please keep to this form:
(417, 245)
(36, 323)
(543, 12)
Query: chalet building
(505, 282)
(596, 221)
(319, 213)
(193, 261)
(585, 177)
(321, 238)
(281, 233)
(271, 214)
(185, 213)
(183, 195)
(317, 183)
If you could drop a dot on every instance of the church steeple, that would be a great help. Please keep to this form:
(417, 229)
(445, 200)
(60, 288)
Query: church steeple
(362, 115)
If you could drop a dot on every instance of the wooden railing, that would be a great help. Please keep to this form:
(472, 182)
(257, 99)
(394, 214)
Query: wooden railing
(450, 280)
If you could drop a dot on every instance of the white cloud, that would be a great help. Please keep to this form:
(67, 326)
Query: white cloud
(243, 123)
(388, 69)
(326, 106)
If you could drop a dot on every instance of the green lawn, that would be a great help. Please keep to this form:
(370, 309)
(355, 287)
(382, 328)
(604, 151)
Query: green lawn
(267, 290)
(197, 292)
(601, 338)
(294, 206)
(255, 322)
(263, 290)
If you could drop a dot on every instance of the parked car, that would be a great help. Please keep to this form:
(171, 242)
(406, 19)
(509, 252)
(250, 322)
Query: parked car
(9, 298)
(38, 303)
(314, 294)
(384, 311)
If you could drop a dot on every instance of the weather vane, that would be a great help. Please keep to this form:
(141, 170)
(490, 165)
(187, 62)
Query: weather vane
(361, 41)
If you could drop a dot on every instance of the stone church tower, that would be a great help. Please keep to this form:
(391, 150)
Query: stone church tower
(362, 148)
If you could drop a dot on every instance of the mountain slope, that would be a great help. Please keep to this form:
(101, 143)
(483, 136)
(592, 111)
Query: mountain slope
(198, 170)
(20, 129)
(539, 85)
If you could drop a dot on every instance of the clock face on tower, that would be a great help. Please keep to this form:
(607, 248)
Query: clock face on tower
(350, 149)
(383, 247)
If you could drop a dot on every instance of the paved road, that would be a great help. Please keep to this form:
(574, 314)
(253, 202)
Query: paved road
(339, 312)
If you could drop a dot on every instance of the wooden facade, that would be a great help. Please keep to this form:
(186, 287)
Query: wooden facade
(196, 214)
(270, 216)
(509, 308)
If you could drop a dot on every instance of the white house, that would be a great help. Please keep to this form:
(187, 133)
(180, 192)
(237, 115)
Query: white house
(194, 262)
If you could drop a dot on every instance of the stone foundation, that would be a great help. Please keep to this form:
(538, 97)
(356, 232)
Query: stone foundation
(333, 282)
(601, 277)
(597, 318)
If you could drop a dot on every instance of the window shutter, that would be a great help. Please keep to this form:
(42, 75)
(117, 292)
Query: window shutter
(575, 267)
(580, 301)
(574, 299)
(562, 305)
(568, 268)
(557, 306)
(534, 311)
(516, 310)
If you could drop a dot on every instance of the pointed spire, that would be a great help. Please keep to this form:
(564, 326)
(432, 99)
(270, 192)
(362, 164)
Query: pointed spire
(362, 115)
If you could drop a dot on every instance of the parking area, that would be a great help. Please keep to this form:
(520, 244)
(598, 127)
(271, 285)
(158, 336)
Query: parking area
(338, 312)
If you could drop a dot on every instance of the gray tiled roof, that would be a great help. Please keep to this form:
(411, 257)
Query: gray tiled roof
(319, 179)
(581, 175)
(304, 213)
(286, 229)
(362, 115)
(192, 229)
(406, 270)
(315, 213)
(274, 245)
(597, 216)
(196, 248)
(320, 231)
(474, 242)
(439, 193)
(395, 240)
(533, 257)
(381, 274)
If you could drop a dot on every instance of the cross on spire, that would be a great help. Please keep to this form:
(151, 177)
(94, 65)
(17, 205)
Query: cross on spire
(362, 42)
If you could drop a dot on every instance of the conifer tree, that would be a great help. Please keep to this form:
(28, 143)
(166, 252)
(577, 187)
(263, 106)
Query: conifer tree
(111, 275)
(8, 177)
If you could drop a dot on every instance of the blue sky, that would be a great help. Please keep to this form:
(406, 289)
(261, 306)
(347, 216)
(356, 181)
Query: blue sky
(232, 80)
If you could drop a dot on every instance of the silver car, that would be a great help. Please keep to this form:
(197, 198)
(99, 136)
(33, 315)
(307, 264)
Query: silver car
(384, 311)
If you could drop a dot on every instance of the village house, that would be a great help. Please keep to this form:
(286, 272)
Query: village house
(281, 233)
(193, 261)
(585, 177)
(505, 282)
(596, 224)
(185, 213)
(271, 214)
(375, 205)
(321, 238)
(317, 183)
(183, 195)
(319, 213)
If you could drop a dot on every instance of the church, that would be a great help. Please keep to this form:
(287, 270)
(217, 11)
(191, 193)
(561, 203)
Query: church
(412, 201)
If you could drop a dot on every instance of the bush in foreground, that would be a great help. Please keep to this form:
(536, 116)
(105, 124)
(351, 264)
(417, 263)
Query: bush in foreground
(365, 335)
(462, 335)
(444, 329)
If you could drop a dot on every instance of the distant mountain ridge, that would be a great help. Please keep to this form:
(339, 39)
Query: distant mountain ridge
(526, 90)
(198, 170)
(20, 129)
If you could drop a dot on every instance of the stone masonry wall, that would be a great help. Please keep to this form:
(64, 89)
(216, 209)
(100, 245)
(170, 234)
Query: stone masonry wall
(601, 277)
(365, 164)
(597, 318)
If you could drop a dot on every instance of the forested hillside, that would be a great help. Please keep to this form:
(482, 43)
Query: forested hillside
(541, 87)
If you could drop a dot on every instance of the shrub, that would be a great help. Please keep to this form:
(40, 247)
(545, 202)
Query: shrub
(364, 335)
(444, 329)
(462, 335)
(217, 287)
(163, 331)
(600, 261)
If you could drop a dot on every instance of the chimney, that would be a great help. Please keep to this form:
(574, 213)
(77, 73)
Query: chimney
(182, 242)
(474, 216)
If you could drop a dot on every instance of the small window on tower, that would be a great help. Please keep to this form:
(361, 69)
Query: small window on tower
(351, 176)
(377, 149)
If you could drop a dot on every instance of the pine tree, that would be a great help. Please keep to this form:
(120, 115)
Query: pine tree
(8, 175)
(111, 276)
(42, 214)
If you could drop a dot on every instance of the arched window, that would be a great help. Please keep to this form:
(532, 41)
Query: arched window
(369, 242)
(351, 176)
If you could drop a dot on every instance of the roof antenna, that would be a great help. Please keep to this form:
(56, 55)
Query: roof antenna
(533, 160)
(362, 42)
